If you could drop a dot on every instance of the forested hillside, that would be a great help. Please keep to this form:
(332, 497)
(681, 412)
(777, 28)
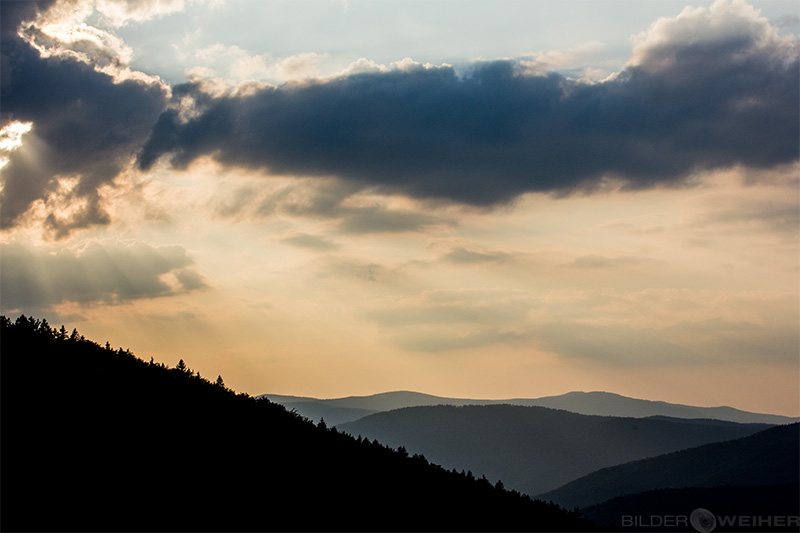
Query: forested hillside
(95, 438)
(536, 449)
(769, 457)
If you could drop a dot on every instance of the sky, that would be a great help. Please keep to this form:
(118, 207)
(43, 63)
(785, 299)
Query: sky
(473, 199)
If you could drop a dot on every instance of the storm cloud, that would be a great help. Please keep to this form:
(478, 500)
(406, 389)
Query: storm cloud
(706, 90)
(86, 127)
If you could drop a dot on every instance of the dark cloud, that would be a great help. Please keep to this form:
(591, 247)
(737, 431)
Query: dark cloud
(12, 14)
(86, 125)
(32, 277)
(726, 95)
(683, 105)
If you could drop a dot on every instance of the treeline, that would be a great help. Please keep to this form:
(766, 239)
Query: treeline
(98, 439)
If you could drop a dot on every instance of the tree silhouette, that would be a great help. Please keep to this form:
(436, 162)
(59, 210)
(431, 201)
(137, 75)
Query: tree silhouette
(77, 451)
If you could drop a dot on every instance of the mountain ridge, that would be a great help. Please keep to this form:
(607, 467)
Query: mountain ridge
(767, 457)
(350, 408)
(533, 447)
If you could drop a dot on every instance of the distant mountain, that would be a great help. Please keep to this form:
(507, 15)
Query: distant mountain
(316, 410)
(535, 449)
(95, 439)
(341, 410)
(609, 404)
(768, 457)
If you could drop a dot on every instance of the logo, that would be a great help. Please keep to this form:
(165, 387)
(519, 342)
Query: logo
(703, 520)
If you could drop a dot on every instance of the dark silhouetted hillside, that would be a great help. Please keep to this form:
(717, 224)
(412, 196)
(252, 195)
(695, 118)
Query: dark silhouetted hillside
(95, 439)
(342, 410)
(535, 449)
(768, 457)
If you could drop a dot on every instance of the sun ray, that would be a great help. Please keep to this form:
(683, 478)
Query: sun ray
(11, 138)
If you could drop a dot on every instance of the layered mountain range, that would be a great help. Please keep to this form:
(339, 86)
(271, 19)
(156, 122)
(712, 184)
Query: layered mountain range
(340, 410)
(601, 452)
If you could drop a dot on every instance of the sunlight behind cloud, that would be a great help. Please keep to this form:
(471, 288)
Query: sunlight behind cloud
(337, 201)
(11, 138)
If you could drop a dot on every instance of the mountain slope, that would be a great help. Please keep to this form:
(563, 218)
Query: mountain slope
(98, 440)
(767, 457)
(349, 409)
(535, 449)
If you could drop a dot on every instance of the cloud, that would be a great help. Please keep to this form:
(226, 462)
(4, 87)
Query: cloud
(338, 270)
(440, 341)
(697, 34)
(598, 261)
(16, 13)
(236, 65)
(63, 29)
(614, 344)
(462, 256)
(708, 89)
(653, 327)
(378, 219)
(314, 242)
(112, 273)
(496, 307)
(447, 319)
(780, 216)
(190, 280)
(86, 127)
(121, 12)
(711, 341)
(573, 60)
(354, 212)
(669, 326)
